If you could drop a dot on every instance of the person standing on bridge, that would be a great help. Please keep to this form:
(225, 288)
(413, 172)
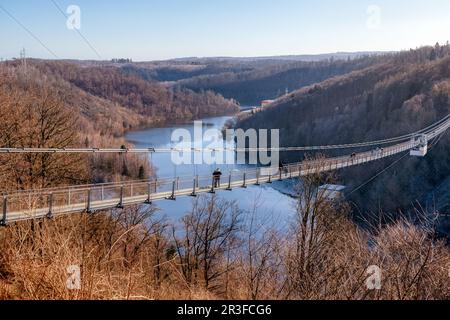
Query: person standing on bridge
(216, 178)
(282, 167)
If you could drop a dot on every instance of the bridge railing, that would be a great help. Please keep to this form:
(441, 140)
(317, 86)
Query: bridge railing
(38, 203)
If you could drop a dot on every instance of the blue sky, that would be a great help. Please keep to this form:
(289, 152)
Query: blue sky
(162, 29)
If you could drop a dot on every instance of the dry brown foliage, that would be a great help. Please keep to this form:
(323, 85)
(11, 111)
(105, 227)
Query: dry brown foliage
(212, 254)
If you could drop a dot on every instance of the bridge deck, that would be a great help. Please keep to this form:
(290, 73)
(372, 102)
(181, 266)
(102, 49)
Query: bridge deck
(59, 201)
(25, 205)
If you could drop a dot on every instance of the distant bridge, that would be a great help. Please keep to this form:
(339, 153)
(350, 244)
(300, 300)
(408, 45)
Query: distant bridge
(35, 204)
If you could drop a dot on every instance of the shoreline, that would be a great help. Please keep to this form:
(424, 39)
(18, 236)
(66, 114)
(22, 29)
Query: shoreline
(163, 125)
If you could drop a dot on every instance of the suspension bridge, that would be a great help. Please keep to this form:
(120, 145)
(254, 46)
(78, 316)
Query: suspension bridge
(48, 203)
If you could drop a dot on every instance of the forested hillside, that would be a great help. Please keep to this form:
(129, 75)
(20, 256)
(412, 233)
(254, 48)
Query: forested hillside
(273, 79)
(153, 102)
(218, 250)
(402, 93)
(61, 104)
(178, 70)
(186, 68)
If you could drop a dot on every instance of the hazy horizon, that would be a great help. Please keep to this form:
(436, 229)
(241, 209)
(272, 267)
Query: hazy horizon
(181, 58)
(163, 30)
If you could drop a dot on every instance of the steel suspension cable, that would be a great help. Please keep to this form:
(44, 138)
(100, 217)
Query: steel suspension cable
(441, 125)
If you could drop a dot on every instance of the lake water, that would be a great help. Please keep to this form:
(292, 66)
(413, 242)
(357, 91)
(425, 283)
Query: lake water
(269, 202)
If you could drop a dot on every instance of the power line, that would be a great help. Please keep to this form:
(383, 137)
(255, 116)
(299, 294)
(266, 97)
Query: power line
(436, 140)
(77, 30)
(378, 174)
(28, 31)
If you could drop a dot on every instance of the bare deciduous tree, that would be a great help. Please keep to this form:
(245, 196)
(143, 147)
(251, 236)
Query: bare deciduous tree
(36, 117)
(209, 231)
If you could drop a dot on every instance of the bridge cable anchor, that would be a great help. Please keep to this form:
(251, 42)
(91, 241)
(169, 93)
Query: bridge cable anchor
(245, 181)
(229, 188)
(3, 222)
(270, 178)
(257, 177)
(149, 194)
(194, 189)
(50, 206)
(89, 200)
(172, 197)
(120, 205)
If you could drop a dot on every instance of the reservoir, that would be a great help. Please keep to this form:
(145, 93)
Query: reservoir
(266, 200)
